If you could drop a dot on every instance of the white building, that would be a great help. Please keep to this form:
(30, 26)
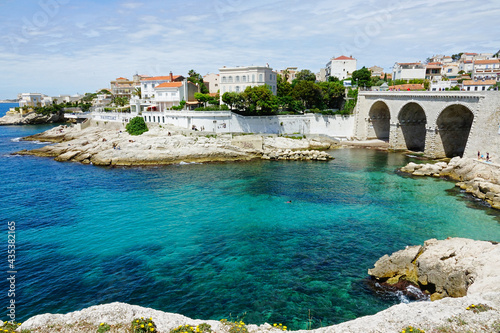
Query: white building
(486, 70)
(471, 85)
(170, 94)
(341, 67)
(440, 85)
(30, 99)
(408, 71)
(450, 70)
(148, 84)
(211, 81)
(237, 79)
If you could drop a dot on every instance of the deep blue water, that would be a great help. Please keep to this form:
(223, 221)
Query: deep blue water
(214, 240)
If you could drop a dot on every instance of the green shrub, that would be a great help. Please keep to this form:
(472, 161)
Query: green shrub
(103, 327)
(476, 308)
(411, 329)
(10, 327)
(235, 326)
(143, 325)
(202, 328)
(136, 126)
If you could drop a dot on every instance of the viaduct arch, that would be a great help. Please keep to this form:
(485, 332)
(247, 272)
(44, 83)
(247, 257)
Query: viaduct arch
(439, 124)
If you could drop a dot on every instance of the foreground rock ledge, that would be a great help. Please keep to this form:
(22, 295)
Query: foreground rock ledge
(444, 315)
(479, 178)
(170, 145)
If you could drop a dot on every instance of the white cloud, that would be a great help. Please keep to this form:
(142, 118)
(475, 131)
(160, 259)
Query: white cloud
(132, 5)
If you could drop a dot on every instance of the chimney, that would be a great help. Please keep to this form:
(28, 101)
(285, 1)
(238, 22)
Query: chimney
(171, 77)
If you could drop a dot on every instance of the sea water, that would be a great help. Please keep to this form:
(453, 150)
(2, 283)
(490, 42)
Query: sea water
(213, 241)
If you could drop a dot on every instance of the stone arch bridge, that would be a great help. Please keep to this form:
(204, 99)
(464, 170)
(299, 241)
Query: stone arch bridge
(439, 124)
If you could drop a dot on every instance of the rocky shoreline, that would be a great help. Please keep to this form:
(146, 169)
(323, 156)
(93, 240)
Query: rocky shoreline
(31, 118)
(465, 269)
(479, 178)
(163, 145)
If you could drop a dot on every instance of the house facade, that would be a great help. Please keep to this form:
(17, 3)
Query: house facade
(148, 84)
(341, 67)
(170, 94)
(123, 87)
(486, 70)
(408, 71)
(30, 99)
(472, 85)
(212, 82)
(237, 79)
(291, 73)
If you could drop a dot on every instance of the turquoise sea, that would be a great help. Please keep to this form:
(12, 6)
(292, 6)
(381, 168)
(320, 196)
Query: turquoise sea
(212, 241)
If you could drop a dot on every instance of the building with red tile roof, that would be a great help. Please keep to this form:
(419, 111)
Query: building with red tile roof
(340, 67)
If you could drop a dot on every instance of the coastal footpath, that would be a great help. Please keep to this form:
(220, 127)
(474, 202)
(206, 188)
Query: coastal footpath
(464, 271)
(109, 145)
(477, 177)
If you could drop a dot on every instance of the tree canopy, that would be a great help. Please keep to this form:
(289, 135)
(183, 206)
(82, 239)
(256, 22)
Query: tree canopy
(196, 78)
(305, 75)
(136, 126)
(363, 77)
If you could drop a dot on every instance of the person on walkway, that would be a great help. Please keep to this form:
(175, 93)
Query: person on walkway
(487, 157)
(478, 155)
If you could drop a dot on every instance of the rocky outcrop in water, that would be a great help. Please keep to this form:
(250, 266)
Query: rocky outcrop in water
(167, 145)
(448, 268)
(454, 267)
(31, 118)
(479, 178)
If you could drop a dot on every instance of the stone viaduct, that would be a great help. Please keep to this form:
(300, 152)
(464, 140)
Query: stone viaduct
(439, 124)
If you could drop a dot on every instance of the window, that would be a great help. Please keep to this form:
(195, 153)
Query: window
(237, 78)
(224, 79)
(253, 77)
(261, 78)
(237, 88)
(244, 78)
(163, 120)
(230, 79)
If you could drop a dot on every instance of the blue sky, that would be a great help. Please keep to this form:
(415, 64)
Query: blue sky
(77, 46)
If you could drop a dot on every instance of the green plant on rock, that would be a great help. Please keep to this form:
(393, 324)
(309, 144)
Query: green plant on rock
(9, 327)
(103, 327)
(476, 308)
(202, 328)
(235, 326)
(411, 329)
(141, 325)
(280, 326)
(136, 126)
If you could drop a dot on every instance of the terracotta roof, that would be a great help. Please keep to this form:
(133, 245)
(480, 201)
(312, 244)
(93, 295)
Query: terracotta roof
(409, 63)
(160, 78)
(169, 85)
(434, 66)
(491, 61)
(408, 87)
(435, 63)
(470, 53)
(122, 78)
(479, 83)
(344, 58)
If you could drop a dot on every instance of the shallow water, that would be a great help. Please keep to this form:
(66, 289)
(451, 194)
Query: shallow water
(216, 240)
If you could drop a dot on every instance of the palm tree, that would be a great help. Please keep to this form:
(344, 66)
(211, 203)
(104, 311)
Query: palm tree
(137, 92)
